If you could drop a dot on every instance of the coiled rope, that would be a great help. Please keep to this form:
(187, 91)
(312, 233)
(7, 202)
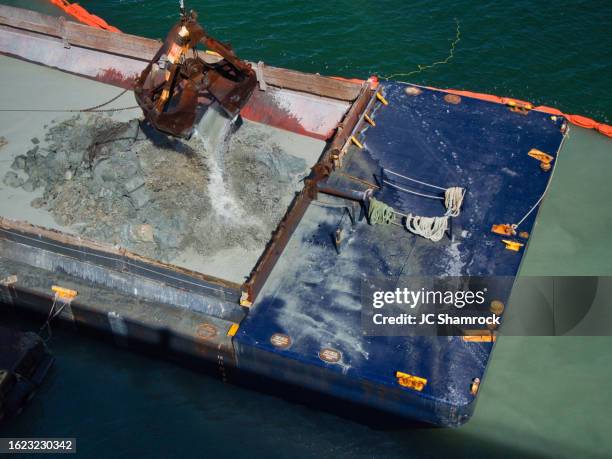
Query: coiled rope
(432, 228)
(453, 199)
(379, 212)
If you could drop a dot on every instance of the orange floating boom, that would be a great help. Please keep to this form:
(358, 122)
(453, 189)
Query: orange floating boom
(578, 120)
(78, 12)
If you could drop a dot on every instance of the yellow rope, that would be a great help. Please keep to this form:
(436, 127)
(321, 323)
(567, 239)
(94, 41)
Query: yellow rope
(421, 68)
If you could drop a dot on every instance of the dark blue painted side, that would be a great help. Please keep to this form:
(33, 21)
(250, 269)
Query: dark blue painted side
(313, 293)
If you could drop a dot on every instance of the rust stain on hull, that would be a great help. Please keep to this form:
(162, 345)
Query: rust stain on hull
(115, 77)
(266, 108)
(262, 110)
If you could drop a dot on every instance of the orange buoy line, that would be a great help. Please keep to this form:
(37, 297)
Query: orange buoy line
(77, 11)
(578, 120)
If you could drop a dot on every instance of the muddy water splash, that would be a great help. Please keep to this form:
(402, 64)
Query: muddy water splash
(214, 132)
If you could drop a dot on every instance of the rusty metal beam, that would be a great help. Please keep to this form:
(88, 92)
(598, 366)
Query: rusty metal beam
(349, 124)
(285, 229)
(275, 248)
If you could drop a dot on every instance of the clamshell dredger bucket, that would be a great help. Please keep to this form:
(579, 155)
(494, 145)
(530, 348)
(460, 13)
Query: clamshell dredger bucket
(178, 82)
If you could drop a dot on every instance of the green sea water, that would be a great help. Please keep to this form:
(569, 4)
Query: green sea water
(555, 53)
(543, 397)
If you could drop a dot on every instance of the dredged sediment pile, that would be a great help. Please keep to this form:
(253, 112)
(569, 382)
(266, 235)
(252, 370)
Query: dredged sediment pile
(125, 184)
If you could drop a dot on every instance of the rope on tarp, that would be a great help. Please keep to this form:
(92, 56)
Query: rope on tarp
(420, 182)
(432, 228)
(379, 212)
(406, 190)
(453, 196)
(453, 199)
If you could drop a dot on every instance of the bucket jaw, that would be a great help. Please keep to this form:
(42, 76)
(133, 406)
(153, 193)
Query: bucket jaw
(179, 81)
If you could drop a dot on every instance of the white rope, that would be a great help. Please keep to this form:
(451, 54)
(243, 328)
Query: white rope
(53, 313)
(453, 199)
(413, 180)
(431, 228)
(453, 196)
(412, 192)
(545, 192)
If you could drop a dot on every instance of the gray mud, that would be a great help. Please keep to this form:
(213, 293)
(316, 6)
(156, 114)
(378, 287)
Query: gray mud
(127, 185)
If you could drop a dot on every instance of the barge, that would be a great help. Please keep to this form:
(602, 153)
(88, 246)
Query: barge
(174, 260)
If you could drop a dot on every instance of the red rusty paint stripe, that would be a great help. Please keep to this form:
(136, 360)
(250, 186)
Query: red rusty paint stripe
(263, 110)
(115, 77)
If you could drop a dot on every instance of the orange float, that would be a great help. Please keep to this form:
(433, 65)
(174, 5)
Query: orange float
(82, 15)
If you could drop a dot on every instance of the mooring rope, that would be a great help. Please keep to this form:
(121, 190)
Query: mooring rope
(453, 199)
(379, 212)
(431, 228)
(53, 313)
